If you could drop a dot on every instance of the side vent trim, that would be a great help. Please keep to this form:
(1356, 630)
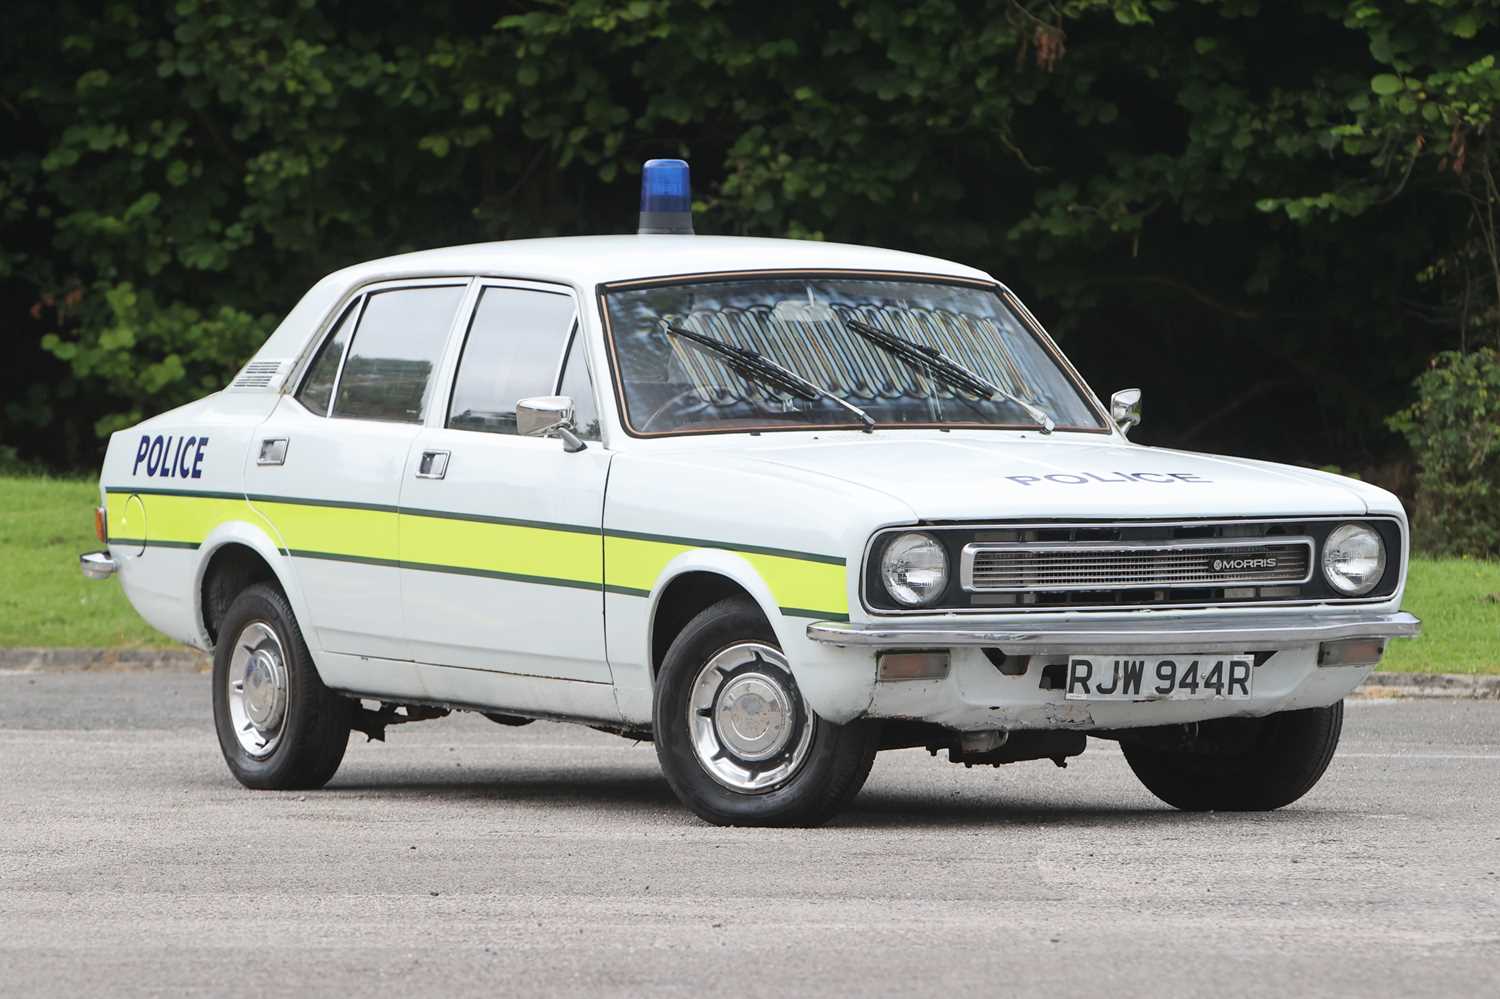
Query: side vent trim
(257, 375)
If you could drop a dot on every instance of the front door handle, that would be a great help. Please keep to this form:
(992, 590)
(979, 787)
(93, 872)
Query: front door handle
(432, 465)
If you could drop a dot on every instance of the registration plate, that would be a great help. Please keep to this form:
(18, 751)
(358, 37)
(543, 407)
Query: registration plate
(1159, 678)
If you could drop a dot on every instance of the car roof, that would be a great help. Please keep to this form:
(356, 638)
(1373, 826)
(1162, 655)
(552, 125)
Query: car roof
(586, 261)
(594, 259)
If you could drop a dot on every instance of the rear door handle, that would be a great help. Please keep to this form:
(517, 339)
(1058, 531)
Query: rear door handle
(432, 465)
(272, 451)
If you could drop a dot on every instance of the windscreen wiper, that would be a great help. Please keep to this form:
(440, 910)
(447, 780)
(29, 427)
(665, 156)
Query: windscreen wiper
(945, 369)
(757, 367)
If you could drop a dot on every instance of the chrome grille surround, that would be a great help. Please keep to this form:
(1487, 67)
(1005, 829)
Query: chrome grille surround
(1174, 532)
(1058, 566)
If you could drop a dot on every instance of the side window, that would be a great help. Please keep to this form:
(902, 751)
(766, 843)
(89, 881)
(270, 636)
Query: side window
(317, 388)
(578, 383)
(514, 343)
(400, 339)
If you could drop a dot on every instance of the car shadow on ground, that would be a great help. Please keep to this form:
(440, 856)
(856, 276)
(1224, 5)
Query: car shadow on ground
(629, 790)
(886, 809)
(600, 786)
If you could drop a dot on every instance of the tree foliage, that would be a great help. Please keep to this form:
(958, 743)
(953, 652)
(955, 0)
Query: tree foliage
(1454, 429)
(1303, 190)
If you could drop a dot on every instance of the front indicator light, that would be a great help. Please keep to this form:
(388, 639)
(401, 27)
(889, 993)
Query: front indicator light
(1351, 652)
(914, 569)
(1353, 559)
(911, 666)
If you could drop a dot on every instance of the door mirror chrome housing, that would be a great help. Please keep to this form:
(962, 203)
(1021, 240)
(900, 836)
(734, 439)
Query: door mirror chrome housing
(1125, 409)
(548, 416)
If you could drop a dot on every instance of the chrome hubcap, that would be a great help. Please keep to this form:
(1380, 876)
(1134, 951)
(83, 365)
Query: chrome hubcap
(258, 689)
(751, 728)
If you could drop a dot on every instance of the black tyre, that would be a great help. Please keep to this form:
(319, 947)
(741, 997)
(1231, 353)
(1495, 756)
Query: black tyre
(1237, 764)
(279, 727)
(736, 739)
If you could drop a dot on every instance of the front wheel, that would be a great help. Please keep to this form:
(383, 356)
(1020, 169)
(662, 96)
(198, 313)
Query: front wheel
(1237, 764)
(736, 739)
(278, 726)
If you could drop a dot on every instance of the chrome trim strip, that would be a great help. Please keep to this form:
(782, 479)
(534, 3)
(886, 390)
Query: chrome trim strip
(97, 565)
(976, 548)
(1153, 632)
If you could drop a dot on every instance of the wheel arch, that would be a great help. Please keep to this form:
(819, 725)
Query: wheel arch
(694, 581)
(236, 555)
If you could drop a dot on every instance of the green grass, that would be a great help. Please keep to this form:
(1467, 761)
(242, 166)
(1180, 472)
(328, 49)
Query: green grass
(1458, 601)
(45, 524)
(45, 601)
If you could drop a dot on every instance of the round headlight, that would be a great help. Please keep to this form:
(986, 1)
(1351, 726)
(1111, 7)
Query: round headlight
(1353, 559)
(914, 568)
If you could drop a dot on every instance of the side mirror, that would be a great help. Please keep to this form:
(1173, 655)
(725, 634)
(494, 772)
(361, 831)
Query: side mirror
(548, 416)
(1125, 409)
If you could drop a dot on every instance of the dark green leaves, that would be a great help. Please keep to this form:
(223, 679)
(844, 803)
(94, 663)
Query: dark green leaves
(1155, 174)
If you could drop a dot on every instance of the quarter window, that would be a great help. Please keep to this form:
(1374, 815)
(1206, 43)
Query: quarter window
(579, 384)
(400, 339)
(317, 388)
(511, 353)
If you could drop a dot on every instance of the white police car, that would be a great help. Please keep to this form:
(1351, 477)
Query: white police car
(776, 505)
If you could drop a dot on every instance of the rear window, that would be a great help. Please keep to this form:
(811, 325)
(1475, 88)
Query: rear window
(396, 349)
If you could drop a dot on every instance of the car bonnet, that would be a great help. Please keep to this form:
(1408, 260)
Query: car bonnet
(966, 478)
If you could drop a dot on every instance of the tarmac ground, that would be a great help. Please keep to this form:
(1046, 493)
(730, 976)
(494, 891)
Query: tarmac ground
(466, 858)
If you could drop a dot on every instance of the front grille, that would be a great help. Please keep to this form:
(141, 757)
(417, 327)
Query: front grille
(1078, 566)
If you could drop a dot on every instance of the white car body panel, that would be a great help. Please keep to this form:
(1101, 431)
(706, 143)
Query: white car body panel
(951, 475)
(477, 622)
(355, 607)
(785, 517)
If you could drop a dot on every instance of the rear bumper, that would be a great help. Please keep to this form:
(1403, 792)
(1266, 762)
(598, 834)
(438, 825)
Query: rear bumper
(97, 565)
(1155, 632)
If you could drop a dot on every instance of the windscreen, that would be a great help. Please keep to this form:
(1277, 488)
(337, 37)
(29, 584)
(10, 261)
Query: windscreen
(939, 355)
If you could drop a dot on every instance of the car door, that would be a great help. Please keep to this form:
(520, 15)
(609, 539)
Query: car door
(326, 470)
(501, 543)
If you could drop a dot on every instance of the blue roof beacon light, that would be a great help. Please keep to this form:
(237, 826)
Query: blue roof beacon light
(666, 199)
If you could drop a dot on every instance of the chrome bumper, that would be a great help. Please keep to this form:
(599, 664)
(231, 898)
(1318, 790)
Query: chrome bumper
(1153, 633)
(97, 565)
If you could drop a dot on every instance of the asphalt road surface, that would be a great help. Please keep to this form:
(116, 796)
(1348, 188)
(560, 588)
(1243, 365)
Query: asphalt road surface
(463, 857)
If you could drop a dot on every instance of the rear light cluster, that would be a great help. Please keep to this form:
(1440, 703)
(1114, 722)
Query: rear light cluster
(101, 531)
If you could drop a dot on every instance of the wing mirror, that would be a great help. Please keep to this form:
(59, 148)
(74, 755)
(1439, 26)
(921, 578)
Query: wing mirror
(1125, 409)
(549, 416)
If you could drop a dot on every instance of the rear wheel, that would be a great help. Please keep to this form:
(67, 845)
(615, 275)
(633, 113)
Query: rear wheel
(279, 728)
(736, 739)
(1237, 764)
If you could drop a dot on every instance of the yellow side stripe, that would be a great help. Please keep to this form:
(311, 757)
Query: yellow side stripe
(811, 586)
(501, 548)
(366, 534)
(175, 520)
(633, 564)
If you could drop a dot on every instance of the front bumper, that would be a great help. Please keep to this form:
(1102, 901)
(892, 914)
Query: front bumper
(97, 565)
(975, 694)
(1146, 633)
